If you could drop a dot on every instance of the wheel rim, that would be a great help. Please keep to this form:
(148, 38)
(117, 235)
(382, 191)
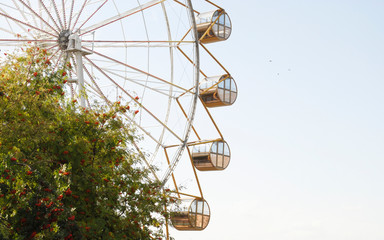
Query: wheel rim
(115, 70)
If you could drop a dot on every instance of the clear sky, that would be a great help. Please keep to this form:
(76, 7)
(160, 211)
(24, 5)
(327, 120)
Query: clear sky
(307, 131)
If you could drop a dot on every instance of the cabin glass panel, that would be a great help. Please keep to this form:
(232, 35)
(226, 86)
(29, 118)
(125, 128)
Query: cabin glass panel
(218, 91)
(222, 27)
(213, 26)
(211, 156)
(192, 214)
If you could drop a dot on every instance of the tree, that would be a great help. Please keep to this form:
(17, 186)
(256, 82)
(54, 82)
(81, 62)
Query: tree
(68, 172)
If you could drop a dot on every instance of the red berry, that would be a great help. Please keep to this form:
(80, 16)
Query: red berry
(68, 192)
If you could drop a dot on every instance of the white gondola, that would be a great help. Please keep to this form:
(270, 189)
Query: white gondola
(213, 26)
(211, 155)
(192, 215)
(218, 91)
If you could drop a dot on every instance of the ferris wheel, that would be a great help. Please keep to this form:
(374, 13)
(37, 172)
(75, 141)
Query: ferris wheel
(145, 55)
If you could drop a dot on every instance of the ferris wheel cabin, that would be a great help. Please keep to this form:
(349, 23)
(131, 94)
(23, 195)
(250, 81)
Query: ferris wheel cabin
(218, 91)
(211, 156)
(213, 26)
(192, 215)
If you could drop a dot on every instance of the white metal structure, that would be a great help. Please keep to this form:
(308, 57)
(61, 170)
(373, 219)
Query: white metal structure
(143, 54)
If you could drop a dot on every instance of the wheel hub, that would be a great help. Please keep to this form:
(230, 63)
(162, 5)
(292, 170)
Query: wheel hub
(63, 39)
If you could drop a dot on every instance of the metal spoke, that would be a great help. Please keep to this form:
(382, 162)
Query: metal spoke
(27, 40)
(17, 7)
(37, 15)
(78, 15)
(120, 44)
(26, 24)
(71, 13)
(92, 15)
(57, 14)
(136, 69)
(121, 16)
(138, 83)
(49, 14)
(134, 99)
(64, 17)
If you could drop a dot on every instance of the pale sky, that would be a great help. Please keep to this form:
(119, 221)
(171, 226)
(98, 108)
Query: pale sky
(306, 132)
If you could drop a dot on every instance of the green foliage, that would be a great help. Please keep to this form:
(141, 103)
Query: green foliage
(67, 172)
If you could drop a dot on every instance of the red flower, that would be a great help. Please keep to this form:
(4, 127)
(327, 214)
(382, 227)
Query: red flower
(66, 173)
(13, 159)
(137, 97)
(65, 152)
(106, 180)
(60, 197)
(35, 74)
(71, 218)
(64, 73)
(68, 192)
(69, 237)
(29, 172)
(33, 235)
(137, 111)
